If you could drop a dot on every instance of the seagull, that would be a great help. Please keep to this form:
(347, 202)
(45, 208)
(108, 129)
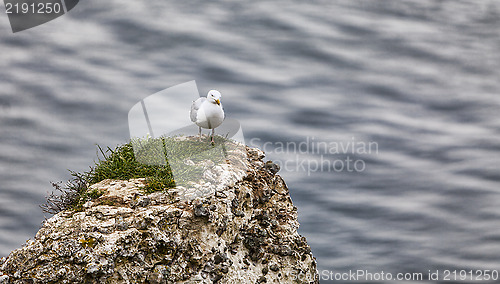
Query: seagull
(207, 112)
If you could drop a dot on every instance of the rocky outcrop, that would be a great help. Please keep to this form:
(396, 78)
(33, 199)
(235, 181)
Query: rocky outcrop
(242, 230)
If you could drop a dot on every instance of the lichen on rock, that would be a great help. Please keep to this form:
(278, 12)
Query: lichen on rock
(243, 229)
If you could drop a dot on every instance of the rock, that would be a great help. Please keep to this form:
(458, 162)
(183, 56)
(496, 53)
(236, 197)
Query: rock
(272, 167)
(241, 229)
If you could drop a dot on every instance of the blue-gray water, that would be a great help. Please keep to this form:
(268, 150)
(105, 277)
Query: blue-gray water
(420, 79)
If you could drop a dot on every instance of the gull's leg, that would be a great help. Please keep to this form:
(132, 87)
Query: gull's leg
(200, 132)
(213, 134)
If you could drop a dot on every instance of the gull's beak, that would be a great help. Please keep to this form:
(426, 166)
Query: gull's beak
(217, 101)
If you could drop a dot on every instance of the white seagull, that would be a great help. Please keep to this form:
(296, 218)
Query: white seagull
(207, 112)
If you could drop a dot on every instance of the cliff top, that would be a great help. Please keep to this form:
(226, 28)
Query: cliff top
(236, 224)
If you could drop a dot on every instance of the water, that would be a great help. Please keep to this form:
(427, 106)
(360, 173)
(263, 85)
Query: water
(418, 78)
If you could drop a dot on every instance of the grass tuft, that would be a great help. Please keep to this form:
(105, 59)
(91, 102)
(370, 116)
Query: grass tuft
(118, 163)
(148, 161)
(121, 164)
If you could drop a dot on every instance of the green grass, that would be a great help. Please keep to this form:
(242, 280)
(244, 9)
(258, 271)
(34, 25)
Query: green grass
(121, 164)
(149, 160)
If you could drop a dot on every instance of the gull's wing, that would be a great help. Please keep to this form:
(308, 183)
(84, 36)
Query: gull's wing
(195, 107)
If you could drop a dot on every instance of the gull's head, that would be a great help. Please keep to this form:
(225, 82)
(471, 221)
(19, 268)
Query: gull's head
(214, 96)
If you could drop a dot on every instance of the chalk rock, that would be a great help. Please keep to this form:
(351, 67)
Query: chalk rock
(244, 230)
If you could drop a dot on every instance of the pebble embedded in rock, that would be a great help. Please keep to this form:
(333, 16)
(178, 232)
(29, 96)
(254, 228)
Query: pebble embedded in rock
(201, 211)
